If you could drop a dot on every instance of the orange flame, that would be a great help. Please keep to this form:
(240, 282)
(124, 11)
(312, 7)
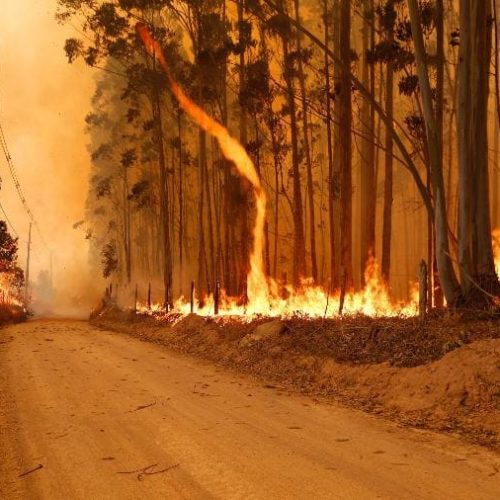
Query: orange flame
(308, 301)
(264, 292)
(496, 249)
(7, 295)
(257, 284)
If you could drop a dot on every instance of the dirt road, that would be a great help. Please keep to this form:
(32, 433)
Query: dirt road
(88, 414)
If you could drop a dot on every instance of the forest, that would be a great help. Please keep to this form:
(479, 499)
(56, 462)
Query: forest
(278, 152)
(250, 249)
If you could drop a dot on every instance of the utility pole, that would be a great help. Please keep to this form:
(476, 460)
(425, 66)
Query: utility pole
(27, 277)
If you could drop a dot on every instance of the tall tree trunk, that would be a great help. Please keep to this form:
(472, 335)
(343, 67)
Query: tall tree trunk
(243, 125)
(181, 201)
(336, 181)
(307, 149)
(389, 164)
(495, 185)
(475, 247)
(210, 218)
(164, 202)
(299, 251)
(345, 143)
(329, 134)
(445, 267)
(202, 256)
(230, 278)
(437, 293)
(368, 185)
(127, 239)
(277, 168)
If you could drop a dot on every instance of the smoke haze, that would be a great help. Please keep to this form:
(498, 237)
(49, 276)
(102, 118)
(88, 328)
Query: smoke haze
(43, 102)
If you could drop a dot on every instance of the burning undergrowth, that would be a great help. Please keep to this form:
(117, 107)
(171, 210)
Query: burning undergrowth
(264, 295)
(442, 375)
(12, 309)
(11, 313)
(287, 302)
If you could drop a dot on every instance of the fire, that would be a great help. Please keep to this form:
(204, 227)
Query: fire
(307, 301)
(257, 283)
(496, 249)
(315, 302)
(265, 296)
(7, 296)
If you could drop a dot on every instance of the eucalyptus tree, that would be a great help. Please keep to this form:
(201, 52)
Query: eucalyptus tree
(475, 251)
(110, 38)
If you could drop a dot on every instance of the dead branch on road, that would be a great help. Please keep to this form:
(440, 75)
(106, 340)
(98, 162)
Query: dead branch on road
(148, 471)
(38, 467)
(142, 407)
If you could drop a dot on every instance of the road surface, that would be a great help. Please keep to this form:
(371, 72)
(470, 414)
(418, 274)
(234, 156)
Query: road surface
(89, 414)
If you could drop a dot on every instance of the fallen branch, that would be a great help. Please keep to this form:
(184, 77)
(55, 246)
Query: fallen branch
(142, 407)
(38, 467)
(148, 471)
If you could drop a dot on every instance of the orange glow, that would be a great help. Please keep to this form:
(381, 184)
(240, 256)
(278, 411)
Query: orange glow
(496, 249)
(257, 284)
(307, 301)
(266, 297)
(7, 296)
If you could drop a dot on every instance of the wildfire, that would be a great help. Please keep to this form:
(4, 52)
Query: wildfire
(314, 302)
(496, 249)
(267, 297)
(7, 296)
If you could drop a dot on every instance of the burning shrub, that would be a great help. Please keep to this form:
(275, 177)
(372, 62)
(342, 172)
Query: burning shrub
(11, 275)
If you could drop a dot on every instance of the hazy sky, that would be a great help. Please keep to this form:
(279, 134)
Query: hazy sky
(43, 102)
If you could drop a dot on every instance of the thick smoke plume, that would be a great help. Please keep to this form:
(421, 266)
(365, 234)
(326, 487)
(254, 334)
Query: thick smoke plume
(43, 102)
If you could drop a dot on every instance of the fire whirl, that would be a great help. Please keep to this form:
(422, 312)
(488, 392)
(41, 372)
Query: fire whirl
(266, 297)
(259, 287)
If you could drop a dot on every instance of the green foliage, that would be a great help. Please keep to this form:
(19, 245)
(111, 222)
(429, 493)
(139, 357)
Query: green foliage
(109, 259)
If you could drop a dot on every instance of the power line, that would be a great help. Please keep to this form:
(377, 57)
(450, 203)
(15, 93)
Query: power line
(17, 184)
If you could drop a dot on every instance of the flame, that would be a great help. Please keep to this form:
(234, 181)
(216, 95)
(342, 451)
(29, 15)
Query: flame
(265, 296)
(8, 297)
(257, 284)
(496, 250)
(307, 301)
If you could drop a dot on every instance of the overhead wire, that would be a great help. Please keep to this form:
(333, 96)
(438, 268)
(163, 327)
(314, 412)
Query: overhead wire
(17, 185)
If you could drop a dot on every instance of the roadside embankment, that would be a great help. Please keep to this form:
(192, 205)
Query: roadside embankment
(444, 375)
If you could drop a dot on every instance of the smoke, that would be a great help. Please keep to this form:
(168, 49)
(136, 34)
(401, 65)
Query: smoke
(43, 102)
